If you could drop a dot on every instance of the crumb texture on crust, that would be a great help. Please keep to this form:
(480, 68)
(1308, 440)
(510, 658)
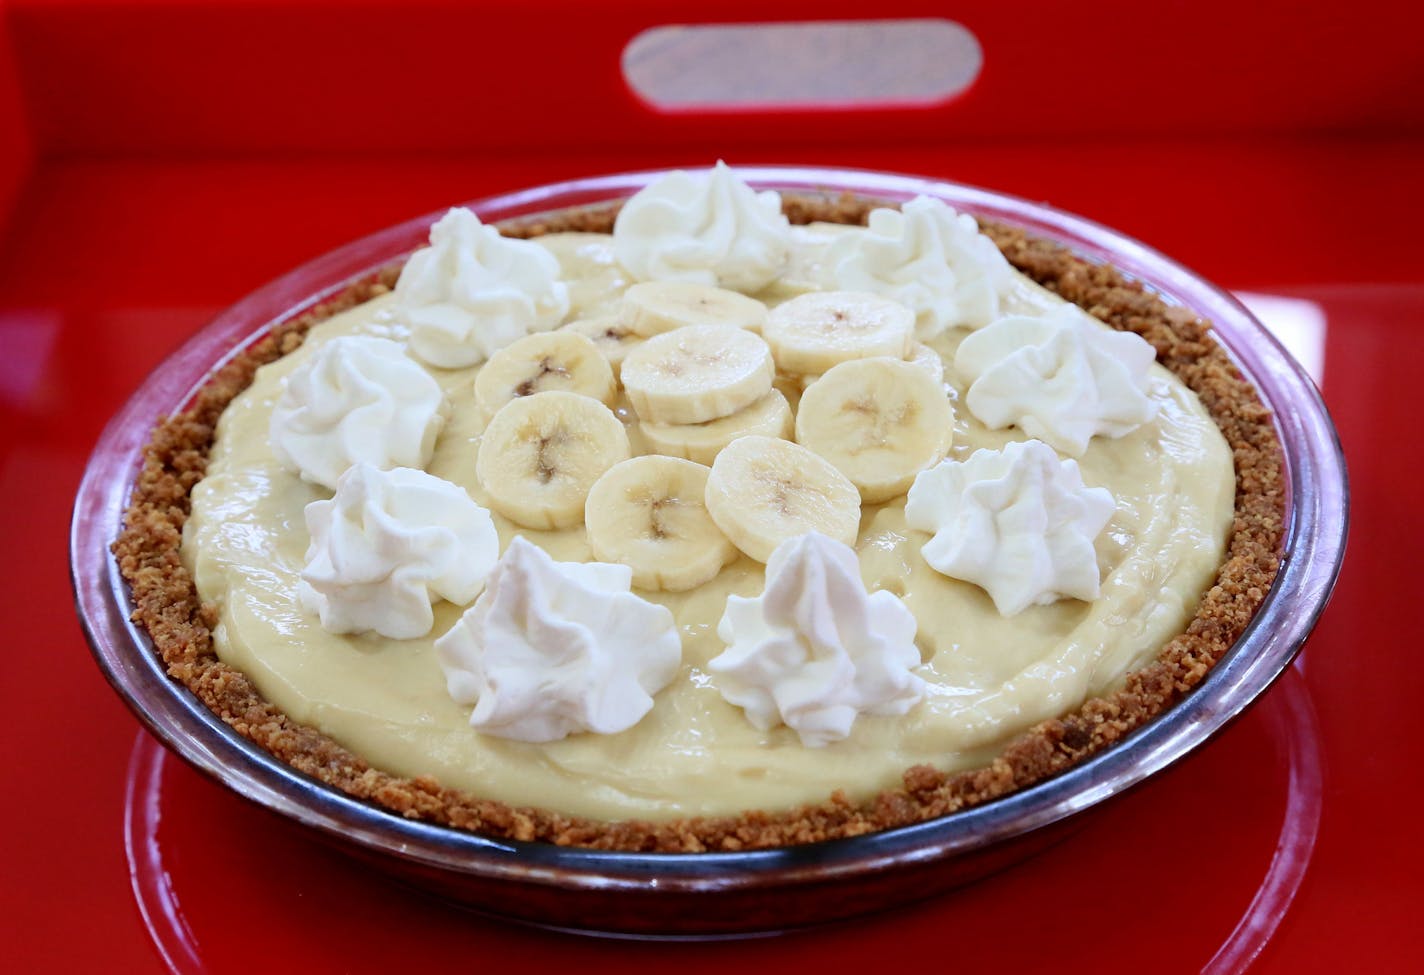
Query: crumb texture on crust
(167, 605)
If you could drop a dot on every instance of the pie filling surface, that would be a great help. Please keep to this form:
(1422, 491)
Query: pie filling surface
(990, 677)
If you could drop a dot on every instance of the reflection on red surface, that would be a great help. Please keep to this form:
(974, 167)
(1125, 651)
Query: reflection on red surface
(216, 879)
(1298, 324)
(152, 884)
(29, 340)
(1291, 719)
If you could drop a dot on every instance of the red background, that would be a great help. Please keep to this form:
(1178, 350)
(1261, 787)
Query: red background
(159, 159)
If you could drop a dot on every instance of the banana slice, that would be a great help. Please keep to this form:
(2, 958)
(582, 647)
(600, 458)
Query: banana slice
(769, 416)
(589, 267)
(927, 359)
(541, 362)
(654, 307)
(816, 331)
(789, 385)
(805, 270)
(614, 339)
(763, 491)
(649, 514)
(540, 454)
(697, 374)
(920, 354)
(879, 421)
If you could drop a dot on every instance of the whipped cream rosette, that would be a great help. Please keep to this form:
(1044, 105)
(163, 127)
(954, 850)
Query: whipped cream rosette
(815, 651)
(387, 546)
(704, 228)
(927, 256)
(1060, 377)
(557, 648)
(358, 400)
(1018, 522)
(473, 291)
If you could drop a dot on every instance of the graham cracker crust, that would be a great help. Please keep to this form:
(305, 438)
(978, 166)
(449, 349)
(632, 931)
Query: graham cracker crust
(167, 605)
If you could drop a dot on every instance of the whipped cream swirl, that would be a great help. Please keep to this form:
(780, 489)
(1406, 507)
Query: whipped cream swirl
(927, 256)
(815, 650)
(709, 229)
(473, 291)
(555, 648)
(387, 546)
(1061, 378)
(358, 400)
(1018, 522)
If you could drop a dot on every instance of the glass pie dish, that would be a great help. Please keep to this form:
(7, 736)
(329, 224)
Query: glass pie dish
(708, 894)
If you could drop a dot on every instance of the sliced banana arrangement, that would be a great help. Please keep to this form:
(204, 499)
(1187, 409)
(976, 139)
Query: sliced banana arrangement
(735, 462)
(649, 513)
(879, 421)
(541, 362)
(816, 331)
(654, 307)
(763, 491)
(696, 374)
(540, 455)
(769, 416)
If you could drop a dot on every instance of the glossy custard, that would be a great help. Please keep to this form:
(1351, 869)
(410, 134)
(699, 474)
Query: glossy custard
(990, 677)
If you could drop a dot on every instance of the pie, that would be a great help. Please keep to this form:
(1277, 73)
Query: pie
(740, 785)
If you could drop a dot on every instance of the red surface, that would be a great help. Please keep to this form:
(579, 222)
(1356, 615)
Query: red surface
(329, 75)
(1276, 767)
(129, 234)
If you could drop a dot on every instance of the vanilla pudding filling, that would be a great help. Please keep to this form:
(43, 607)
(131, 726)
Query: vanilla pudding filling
(988, 677)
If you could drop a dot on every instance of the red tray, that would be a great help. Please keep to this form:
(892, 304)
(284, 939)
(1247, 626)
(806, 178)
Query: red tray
(158, 160)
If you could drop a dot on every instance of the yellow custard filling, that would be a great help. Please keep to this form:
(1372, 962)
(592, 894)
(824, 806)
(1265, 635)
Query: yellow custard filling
(989, 677)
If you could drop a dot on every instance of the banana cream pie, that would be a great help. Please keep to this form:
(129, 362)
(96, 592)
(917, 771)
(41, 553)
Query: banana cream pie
(717, 520)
